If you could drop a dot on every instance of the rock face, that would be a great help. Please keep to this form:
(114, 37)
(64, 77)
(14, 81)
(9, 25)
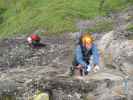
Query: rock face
(118, 52)
(15, 52)
(116, 47)
(22, 64)
(24, 71)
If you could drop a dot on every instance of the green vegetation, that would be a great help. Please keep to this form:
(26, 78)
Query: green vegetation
(7, 97)
(101, 26)
(54, 16)
(130, 27)
(115, 5)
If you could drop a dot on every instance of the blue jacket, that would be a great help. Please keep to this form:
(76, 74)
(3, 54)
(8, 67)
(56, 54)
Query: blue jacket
(79, 55)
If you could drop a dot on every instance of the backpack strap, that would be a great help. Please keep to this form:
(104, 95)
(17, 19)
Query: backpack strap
(86, 54)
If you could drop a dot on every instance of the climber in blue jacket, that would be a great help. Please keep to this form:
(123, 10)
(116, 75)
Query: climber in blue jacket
(83, 53)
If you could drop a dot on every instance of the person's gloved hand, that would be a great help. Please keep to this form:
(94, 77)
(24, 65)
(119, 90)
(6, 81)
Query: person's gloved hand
(96, 68)
(29, 40)
(88, 68)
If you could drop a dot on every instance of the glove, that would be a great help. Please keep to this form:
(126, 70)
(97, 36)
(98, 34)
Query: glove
(88, 68)
(96, 68)
(29, 40)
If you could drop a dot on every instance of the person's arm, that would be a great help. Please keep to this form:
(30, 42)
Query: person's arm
(79, 56)
(95, 55)
(95, 59)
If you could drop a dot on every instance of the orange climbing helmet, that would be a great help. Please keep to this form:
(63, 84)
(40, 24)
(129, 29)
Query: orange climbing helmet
(87, 38)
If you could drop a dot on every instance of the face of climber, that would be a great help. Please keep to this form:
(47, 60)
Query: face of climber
(88, 45)
(87, 42)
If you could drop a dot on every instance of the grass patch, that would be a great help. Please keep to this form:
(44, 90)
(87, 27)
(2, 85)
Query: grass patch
(56, 16)
(130, 27)
(115, 5)
(102, 26)
(7, 97)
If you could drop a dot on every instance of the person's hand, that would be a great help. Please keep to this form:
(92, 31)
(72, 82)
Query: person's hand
(88, 68)
(29, 40)
(96, 68)
(79, 66)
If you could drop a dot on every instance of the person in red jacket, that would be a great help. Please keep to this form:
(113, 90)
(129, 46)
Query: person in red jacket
(34, 40)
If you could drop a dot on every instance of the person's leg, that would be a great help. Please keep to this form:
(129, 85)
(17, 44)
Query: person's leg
(71, 73)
